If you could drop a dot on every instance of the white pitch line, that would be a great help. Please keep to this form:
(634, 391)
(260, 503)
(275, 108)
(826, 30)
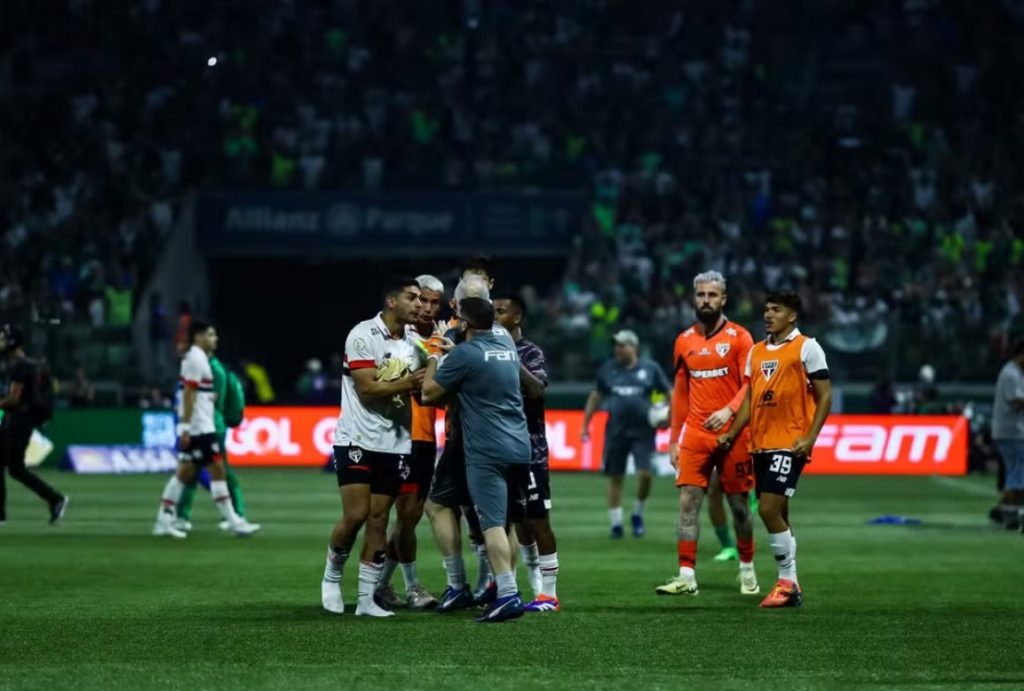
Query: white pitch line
(966, 487)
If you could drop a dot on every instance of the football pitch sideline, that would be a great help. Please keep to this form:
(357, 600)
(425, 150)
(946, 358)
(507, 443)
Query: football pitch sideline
(98, 603)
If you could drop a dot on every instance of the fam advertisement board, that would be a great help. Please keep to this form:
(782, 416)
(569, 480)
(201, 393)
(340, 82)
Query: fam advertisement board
(847, 445)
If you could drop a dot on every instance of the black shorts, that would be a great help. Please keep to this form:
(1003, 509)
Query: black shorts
(421, 469)
(449, 487)
(203, 449)
(538, 491)
(777, 472)
(617, 450)
(383, 472)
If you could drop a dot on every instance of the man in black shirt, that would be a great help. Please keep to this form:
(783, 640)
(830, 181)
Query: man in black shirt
(21, 406)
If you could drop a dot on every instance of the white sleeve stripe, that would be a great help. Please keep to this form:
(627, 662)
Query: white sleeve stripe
(813, 357)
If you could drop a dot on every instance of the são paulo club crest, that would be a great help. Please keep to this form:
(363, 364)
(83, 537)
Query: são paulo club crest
(722, 349)
(768, 368)
(355, 454)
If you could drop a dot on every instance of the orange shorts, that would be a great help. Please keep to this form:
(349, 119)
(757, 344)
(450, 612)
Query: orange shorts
(699, 455)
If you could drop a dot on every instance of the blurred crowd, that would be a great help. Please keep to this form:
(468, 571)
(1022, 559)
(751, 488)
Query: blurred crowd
(863, 153)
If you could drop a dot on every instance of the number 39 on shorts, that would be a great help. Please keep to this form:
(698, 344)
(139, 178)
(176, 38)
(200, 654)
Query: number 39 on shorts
(781, 464)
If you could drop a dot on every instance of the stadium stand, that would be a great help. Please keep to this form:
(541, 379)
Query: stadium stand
(893, 208)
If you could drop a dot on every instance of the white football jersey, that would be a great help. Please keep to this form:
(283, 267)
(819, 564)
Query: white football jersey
(196, 374)
(385, 424)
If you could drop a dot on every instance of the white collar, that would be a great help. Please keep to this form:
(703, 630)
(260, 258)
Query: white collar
(792, 334)
(384, 330)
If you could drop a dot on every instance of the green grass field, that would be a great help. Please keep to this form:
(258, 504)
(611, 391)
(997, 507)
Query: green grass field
(98, 603)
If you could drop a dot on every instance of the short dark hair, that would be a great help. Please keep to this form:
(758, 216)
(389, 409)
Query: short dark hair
(479, 263)
(514, 298)
(478, 313)
(197, 327)
(396, 285)
(786, 298)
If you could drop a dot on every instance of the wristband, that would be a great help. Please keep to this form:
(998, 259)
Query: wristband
(181, 428)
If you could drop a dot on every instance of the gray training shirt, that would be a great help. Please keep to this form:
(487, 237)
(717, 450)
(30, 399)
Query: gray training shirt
(484, 373)
(627, 395)
(1006, 422)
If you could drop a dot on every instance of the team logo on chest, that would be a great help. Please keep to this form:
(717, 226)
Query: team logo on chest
(722, 349)
(642, 375)
(768, 368)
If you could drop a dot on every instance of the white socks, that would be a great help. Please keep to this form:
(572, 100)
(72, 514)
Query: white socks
(549, 574)
(455, 569)
(615, 516)
(222, 499)
(506, 584)
(638, 507)
(369, 579)
(330, 587)
(784, 549)
(531, 560)
(335, 566)
(409, 574)
(483, 578)
(171, 496)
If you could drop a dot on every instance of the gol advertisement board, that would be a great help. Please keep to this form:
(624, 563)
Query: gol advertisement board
(847, 445)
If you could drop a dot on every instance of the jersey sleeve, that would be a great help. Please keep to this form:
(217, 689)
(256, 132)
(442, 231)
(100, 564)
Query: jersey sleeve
(191, 371)
(534, 362)
(680, 389)
(1010, 388)
(746, 368)
(359, 351)
(813, 359)
(680, 402)
(452, 371)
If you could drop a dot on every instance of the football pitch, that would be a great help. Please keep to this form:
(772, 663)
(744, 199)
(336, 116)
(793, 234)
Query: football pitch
(98, 603)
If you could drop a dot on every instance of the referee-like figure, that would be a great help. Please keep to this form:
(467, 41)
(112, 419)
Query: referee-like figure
(26, 405)
(483, 372)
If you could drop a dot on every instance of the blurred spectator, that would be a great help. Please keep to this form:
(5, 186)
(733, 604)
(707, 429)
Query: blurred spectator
(883, 398)
(256, 383)
(82, 393)
(312, 387)
(184, 321)
(159, 338)
(864, 156)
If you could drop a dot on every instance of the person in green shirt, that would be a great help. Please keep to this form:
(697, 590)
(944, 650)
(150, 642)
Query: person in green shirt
(229, 409)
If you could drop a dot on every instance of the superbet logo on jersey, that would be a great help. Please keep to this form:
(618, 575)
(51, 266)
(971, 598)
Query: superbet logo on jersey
(847, 445)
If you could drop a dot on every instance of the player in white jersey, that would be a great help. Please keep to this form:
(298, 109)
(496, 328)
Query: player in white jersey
(197, 437)
(373, 440)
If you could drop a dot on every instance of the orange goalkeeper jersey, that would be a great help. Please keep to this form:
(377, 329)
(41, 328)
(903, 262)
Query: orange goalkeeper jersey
(709, 375)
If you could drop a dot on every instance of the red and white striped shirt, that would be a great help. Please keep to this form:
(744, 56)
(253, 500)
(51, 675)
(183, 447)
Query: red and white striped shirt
(197, 374)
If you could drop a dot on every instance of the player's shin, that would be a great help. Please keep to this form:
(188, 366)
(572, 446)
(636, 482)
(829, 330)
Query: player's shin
(455, 571)
(369, 579)
(237, 497)
(549, 574)
(222, 500)
(531, 560)
(784, 549)
(171, 496)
